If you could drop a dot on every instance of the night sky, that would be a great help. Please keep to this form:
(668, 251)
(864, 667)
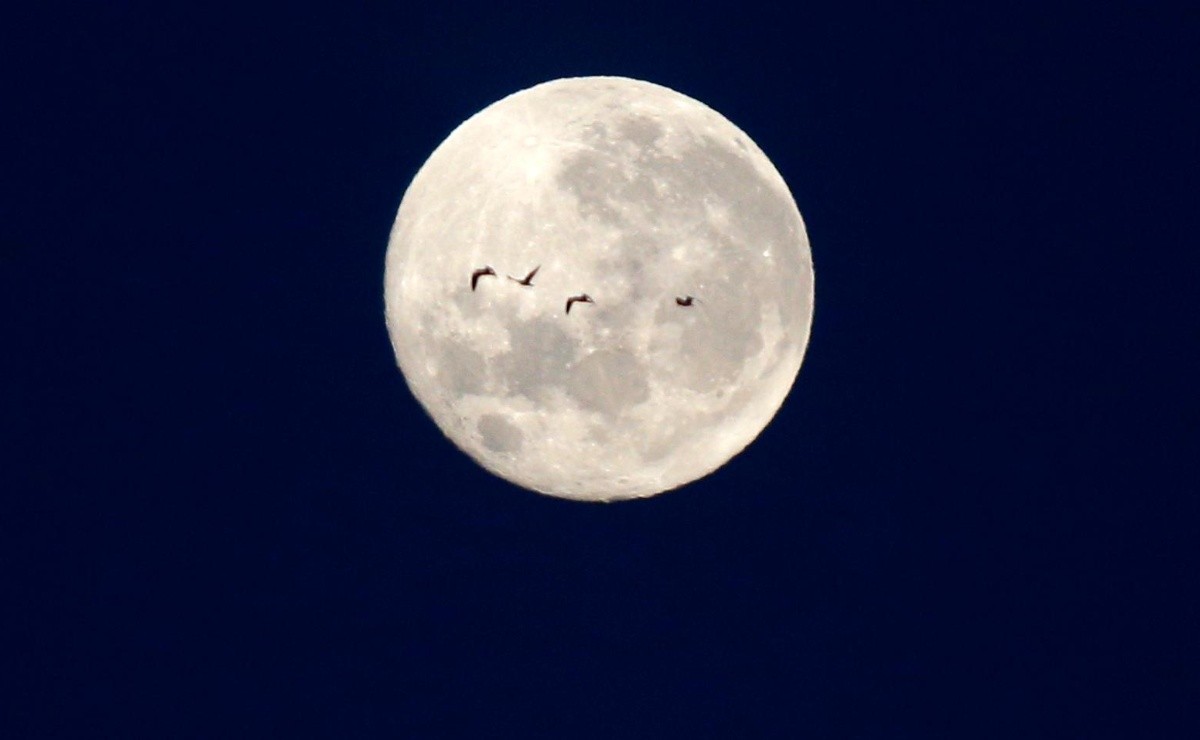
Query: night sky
(224, 514)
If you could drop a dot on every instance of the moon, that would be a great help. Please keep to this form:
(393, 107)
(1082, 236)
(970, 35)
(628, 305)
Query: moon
(637, 197)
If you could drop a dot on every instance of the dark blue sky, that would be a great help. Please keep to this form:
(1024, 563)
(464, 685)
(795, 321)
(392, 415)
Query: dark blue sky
(225, 515)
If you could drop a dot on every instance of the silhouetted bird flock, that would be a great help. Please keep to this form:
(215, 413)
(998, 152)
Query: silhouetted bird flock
(527, 282)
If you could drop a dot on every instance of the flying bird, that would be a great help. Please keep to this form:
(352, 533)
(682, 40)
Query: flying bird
(527, 281)
(480, 273)
(685, 301)
(581, 298)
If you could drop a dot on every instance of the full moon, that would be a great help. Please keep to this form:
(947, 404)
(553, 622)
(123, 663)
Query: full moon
(670, 308)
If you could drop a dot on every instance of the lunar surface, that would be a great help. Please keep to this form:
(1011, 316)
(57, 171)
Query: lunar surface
(633, 196)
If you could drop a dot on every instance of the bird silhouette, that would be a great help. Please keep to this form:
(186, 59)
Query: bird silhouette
(685, 301)
(480, 273)
(581, 298)
(527, 281)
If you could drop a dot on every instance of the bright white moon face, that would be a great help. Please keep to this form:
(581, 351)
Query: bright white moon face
(634, 195)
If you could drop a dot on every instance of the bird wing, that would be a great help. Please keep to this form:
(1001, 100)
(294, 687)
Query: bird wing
(480, 273)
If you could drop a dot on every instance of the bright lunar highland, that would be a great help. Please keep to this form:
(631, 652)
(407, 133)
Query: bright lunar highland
(660, 211)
